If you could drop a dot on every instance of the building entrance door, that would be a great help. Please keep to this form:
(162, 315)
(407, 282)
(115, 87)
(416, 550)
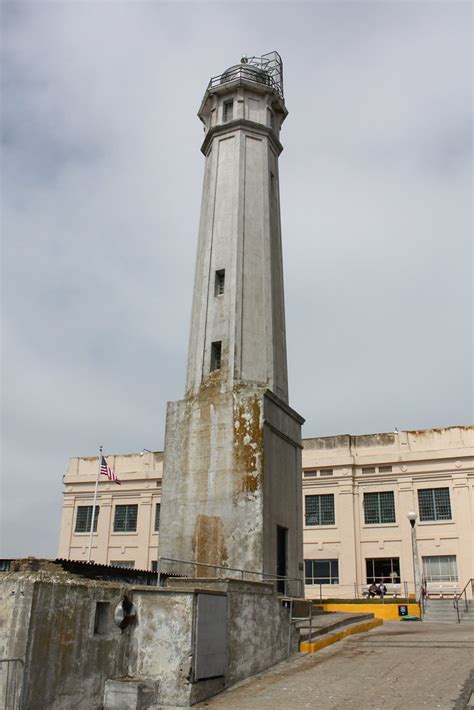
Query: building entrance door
(282, 561)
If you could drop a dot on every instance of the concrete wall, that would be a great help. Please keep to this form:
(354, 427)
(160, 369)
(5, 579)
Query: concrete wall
(162, 643)
(258, 631)
(240, 232)
(50, 625)
(212, 482)
(48, 621)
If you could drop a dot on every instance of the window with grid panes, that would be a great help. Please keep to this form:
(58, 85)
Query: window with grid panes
(321, 571)
(125, 519)
(379, 508)
(157, 517)
(319, 510)
(440, 568)
(84, 517)
(434, 504)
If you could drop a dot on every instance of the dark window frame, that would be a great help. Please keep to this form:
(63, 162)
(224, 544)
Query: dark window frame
(157, 517)
(216, 355)
(383, 512)
(313, 569)
(377, 572)
(83, 520)
(227, 110)
(434, 504)
(130, 519)
(319, 510)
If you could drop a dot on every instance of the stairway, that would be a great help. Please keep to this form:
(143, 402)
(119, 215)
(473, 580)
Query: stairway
(467, 616)
(440, 611)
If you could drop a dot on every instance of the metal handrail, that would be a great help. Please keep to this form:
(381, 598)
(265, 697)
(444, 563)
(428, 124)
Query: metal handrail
(14, 705)
(243, 72)
(463, 593)
(265, 575)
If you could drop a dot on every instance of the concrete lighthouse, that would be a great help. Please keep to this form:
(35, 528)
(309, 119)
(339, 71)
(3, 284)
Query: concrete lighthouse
(232, 472)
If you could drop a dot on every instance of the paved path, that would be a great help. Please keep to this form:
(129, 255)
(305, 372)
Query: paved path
(398, 666)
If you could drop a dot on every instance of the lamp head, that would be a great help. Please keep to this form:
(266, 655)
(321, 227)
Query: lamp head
(143, 451)
(412, 516)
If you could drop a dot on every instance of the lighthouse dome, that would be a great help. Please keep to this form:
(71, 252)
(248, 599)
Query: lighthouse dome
(245, 71)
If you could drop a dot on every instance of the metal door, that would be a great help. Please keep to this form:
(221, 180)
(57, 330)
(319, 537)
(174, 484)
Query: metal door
(210, 636)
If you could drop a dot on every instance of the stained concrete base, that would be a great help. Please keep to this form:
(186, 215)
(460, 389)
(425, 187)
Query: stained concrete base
(130, 694)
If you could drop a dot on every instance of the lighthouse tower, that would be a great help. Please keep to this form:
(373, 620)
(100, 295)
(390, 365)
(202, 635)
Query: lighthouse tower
(232, 472)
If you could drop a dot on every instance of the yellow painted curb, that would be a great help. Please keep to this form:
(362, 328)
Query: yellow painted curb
(311, 647)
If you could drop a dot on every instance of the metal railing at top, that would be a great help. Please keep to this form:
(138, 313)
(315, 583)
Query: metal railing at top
(283, 584)
(12, 672)
(463, 596)
(257, 76)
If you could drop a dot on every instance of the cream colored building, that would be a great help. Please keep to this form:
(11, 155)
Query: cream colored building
(357, 491)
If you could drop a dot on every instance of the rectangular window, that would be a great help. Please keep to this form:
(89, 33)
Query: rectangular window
(379, 508)
(228, 111)
(368, 469)
(220, 283)
(216, 351)
(84, 518)
(271, 118)
(102, 621)
(126, 564)
(125, 518)
(310, 474)
(321, 571)
(434, 504)
(383, 569)
(157, 517)
(319, 510)
(441, 568)
(385, 469)
(326, 472)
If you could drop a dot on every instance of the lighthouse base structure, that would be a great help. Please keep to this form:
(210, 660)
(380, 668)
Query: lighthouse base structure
(231, 494)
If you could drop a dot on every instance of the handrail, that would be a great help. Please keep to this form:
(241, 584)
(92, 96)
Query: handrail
(264, 575)
(462, 593)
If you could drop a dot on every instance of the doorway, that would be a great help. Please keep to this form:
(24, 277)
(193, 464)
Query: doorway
(282, 558)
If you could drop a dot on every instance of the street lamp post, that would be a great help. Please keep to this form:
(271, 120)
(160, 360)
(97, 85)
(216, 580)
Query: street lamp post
(412, 516)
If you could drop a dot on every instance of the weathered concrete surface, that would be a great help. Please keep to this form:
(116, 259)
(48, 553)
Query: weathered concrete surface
(409, 666)
(129, 694)
(162, 644)
(230, 479)
(232, 474)
(48, 621)
(258, 633)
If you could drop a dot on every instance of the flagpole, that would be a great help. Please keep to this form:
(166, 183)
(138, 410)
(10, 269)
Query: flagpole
(95, 504)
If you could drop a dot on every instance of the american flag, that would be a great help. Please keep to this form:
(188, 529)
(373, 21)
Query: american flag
(107, 471)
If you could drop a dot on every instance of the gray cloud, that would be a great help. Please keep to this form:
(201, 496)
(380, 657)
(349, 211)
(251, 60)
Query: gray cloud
(102, 177)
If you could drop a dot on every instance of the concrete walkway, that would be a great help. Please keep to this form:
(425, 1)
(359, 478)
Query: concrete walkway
(400, 665)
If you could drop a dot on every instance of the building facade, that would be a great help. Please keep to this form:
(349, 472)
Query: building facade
(357, 491)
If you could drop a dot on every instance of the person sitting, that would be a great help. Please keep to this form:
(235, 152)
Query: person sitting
(381, 589)
(373, 590)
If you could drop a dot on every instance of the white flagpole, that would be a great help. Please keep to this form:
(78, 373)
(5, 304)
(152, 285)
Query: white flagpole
(95, 504)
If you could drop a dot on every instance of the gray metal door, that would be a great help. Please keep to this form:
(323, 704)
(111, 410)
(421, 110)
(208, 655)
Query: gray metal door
(210, 638)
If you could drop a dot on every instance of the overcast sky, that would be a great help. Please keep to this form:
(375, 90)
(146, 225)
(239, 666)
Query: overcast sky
(102, 177)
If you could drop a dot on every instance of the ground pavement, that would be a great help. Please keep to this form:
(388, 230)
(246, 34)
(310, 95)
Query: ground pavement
(398, 666)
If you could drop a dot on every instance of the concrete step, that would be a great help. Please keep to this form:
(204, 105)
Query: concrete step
(331, 622)
(328, 637)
